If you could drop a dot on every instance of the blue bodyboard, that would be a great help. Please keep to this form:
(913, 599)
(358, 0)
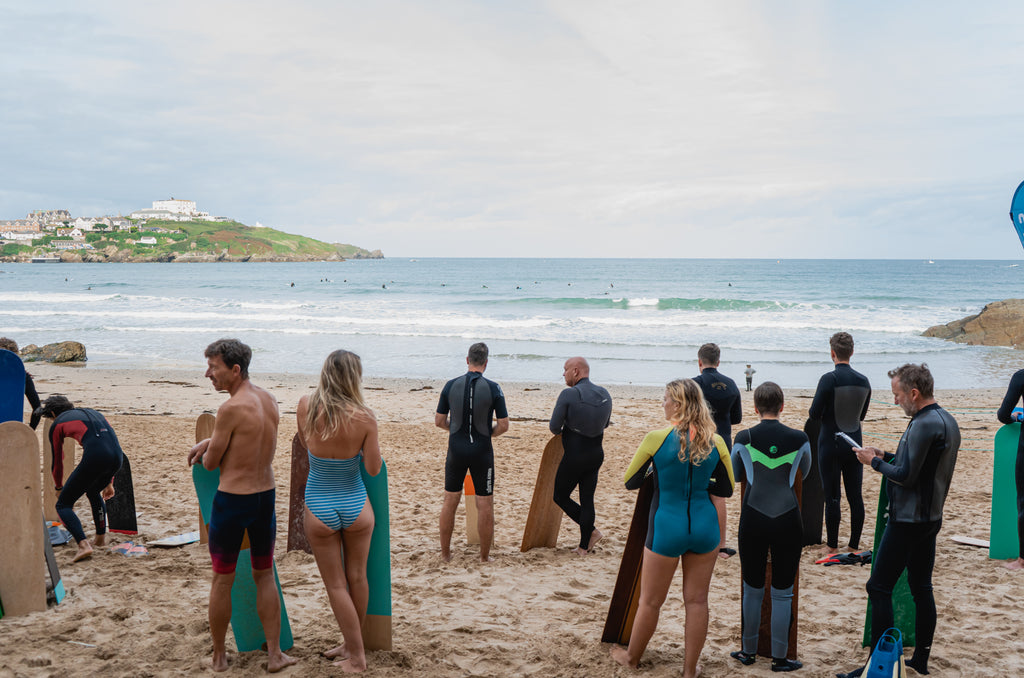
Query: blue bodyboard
(245, 622)
(12, 387)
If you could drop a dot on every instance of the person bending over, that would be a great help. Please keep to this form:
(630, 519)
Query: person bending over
(94, 474)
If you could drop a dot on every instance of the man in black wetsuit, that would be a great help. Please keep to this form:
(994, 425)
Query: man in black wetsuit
(30, 386)
(582, 412)
(471, 401)
(1005, 414)
(723, 398)
(841, 403)
(919, 475)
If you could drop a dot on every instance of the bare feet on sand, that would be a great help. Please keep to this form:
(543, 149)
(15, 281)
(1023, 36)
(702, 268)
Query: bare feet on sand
(100, 540)
(278, 661)
(620, 655)
(219, 662)
(446, 557)
(340, 652)
(84, 551)
(486, 559)
(349, 666)
(595, 537)
(1015, 564)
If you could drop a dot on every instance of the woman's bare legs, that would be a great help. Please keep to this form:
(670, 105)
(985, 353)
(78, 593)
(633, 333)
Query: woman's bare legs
(697, 571)
(655, 581)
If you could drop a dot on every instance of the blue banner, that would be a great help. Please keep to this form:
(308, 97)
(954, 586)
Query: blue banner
(1017, 212)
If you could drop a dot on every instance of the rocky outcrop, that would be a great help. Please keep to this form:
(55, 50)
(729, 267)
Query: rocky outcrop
(61, 352)
(1000, 323)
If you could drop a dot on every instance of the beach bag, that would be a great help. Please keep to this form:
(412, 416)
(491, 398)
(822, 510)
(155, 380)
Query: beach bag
(887, 658)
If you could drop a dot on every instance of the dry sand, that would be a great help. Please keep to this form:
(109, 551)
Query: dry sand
(538, 613)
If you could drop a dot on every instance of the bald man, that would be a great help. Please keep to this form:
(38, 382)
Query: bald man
(582, 413)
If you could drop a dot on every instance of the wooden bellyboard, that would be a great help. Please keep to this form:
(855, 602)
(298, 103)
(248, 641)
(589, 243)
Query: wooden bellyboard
(764, 635)
(472, 529)
(545, 517)
(618, 624)
(812, 503)
(903, 610)
(204, 429)
(377, 625)
(1003, 527)
(245, 622)
(297, 498)
(121, 507)
(50, 494)
(12, 387)
(22, 583)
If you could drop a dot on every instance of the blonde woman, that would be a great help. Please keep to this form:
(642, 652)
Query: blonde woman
(338, 430)
(689, 462)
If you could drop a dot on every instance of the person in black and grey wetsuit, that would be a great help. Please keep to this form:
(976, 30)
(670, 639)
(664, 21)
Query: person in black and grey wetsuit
(465, 410)
(918, 476)
(94, 475)
(841, 403)
(767, 457)
(581, 414)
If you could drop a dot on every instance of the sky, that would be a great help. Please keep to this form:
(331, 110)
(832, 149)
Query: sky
(514, 129)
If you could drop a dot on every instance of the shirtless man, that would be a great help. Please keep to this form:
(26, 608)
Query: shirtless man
(242, 447)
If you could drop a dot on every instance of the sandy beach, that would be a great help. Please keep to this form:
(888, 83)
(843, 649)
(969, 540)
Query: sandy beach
(538, 613)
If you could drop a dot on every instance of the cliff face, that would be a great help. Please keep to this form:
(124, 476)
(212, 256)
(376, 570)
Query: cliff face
(1000, 323)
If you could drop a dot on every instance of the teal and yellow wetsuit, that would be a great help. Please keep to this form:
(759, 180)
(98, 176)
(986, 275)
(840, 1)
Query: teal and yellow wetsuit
(683, 519)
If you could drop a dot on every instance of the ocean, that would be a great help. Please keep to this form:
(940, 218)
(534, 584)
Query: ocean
(638, 321)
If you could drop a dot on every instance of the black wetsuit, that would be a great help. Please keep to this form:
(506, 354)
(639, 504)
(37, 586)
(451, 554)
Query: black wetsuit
(919, 475)
(841, 403)
(33, 400)
(767, 458)
(101, 459)
(723, 397)
(581, 415)
(1005, 414)
(471, 399)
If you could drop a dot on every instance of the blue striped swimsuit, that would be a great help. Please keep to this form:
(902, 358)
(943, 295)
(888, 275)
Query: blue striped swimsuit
(335, 493)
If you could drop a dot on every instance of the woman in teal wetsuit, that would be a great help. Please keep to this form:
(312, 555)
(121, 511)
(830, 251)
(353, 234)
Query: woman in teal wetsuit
(689, 462)
(338, 429)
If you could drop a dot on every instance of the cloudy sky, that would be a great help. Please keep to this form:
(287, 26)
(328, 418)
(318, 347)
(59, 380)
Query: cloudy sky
(519, 128)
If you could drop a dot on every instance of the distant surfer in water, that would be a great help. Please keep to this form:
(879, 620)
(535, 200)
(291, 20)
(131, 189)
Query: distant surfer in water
(1006, 415)
(582, 413)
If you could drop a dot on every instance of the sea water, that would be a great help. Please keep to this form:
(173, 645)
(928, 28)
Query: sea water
(638, 321)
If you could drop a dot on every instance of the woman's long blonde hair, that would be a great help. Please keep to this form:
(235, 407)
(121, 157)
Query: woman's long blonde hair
(337, 397)
(691, 412)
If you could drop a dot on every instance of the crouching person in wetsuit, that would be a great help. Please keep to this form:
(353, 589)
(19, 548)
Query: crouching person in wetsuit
(94, 475)
(767, 458)
(472, 401)
(919, 475)
(582, 413)
(242, 446)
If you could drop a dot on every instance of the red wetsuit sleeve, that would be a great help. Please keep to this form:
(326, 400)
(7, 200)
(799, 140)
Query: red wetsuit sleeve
(75, 429)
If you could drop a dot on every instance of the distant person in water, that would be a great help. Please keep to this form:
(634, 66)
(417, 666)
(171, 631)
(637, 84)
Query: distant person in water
(723, 397)
(94, 475)
(749, 374)
(582, 413)
(1006, 415)
(467, 407)
(30, 386)
(841, 403)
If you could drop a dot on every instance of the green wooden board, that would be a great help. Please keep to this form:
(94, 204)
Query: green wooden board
(903, 610)
(245, 622)
(377, 629)
(1003, 539)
